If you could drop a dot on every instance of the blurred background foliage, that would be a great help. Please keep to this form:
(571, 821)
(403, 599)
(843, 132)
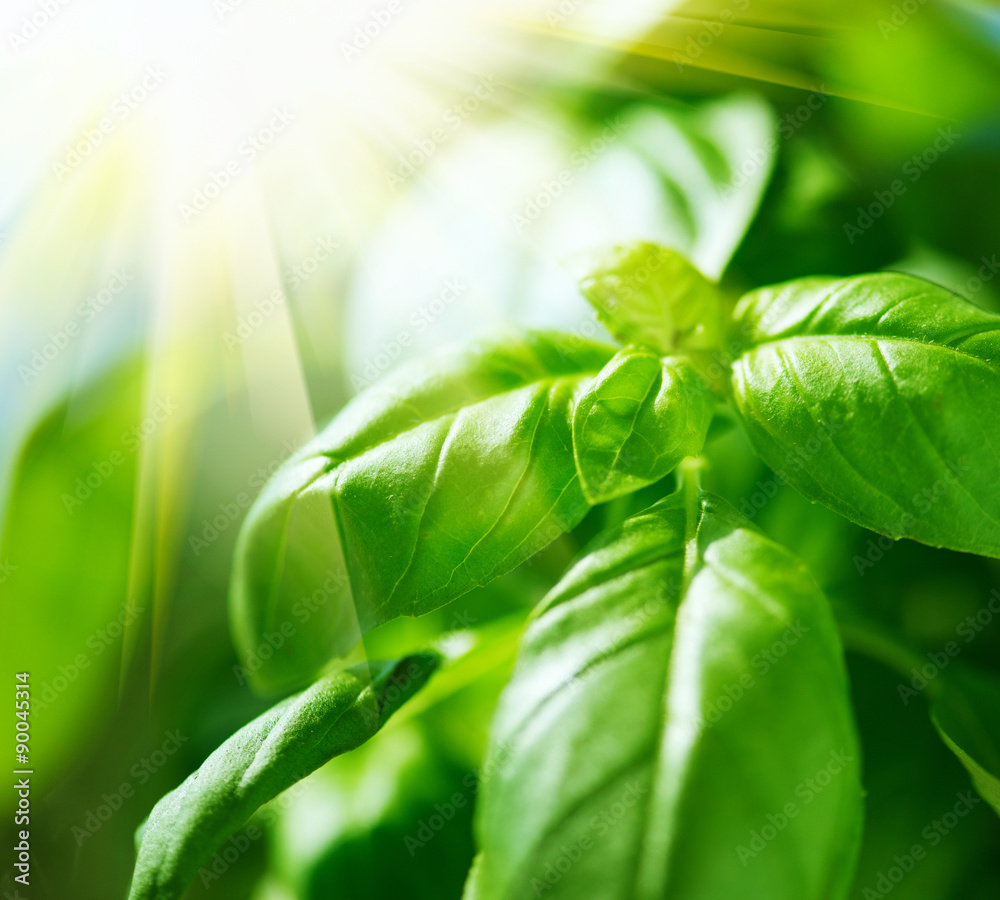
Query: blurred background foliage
(489, 150)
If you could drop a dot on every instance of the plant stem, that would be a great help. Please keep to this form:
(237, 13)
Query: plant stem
(689, 478)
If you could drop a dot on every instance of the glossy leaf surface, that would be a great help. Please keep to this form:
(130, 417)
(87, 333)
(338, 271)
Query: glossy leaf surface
(647, 294)
(636, 421)
(677, 726)
(448, 475)
(879, 396)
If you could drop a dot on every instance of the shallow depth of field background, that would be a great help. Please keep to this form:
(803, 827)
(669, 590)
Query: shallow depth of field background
(218, 221)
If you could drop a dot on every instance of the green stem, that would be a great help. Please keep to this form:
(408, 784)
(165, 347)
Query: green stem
(689, 478)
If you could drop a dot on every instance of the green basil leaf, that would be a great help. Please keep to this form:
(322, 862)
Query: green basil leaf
(877, 396)
(636, 421)
(441, 478)
(260, 761)
(647, 294)
(677, 726)
(967, 716)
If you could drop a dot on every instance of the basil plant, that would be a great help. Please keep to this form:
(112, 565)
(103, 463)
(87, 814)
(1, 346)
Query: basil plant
(678, 722)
